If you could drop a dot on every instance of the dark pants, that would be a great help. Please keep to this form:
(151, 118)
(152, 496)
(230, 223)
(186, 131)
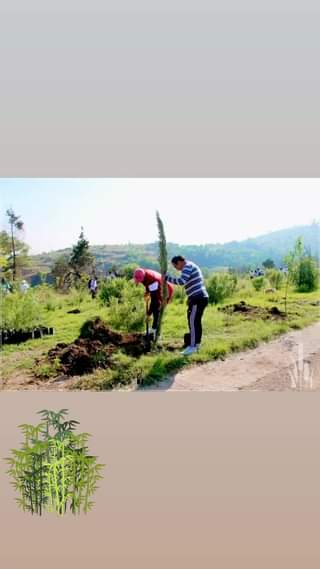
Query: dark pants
(196, 308)
(154, 310)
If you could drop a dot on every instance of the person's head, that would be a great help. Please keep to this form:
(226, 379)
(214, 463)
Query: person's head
(178, 262)
(139, 275)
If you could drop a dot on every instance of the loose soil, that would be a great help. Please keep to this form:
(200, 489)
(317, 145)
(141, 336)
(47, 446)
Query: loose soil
(95, 347)
(253, 311)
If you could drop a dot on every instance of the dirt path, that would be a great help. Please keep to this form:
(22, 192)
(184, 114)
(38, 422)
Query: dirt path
(272, 366)
(292, 362)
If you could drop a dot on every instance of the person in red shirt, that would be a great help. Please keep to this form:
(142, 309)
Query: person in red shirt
(152, 281)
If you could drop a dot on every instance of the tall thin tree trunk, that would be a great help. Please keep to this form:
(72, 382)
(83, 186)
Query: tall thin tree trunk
(163, 261)
(13, 255)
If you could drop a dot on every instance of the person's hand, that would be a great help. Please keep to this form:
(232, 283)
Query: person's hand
(146, 295)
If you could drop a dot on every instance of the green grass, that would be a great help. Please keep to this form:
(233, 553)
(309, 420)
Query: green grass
(223, 334)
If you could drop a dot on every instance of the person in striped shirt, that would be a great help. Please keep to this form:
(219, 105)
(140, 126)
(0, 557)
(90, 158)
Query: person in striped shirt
(192, 279)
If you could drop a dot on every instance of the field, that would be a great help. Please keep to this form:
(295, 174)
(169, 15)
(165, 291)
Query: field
(26, 366)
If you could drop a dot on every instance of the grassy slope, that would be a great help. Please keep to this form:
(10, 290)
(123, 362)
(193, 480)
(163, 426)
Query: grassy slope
(223, 334)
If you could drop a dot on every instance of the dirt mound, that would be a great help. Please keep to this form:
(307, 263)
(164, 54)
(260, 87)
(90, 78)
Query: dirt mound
(253, 311)
(95, 347)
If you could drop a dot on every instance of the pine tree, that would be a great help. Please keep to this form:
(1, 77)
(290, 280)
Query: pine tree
(163, 262)
(18, 248)
(81, 260)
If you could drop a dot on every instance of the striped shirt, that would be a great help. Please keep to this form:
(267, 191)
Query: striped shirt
(192, 279)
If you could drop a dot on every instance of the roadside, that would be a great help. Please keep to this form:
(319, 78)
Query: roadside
(291, 362)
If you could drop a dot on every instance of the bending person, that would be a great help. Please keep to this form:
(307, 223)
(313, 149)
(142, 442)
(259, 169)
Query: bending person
(152, 281)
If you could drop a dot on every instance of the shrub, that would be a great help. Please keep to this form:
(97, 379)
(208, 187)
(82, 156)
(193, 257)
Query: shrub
(244, 287)
(48, 370)
(113, 289)
(306, 275)
(275, 278)
(46, 296)
(20, 311)
(179, 295)
(220, 286)
(128, 312)
(77, 296)
(128, 270)
(258, 283)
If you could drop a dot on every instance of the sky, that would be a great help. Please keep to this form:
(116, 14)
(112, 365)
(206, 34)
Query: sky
(119, 211)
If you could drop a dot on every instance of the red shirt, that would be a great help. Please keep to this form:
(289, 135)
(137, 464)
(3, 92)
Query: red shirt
(155, 278)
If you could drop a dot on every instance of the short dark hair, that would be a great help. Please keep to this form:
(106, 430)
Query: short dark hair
(177, 258)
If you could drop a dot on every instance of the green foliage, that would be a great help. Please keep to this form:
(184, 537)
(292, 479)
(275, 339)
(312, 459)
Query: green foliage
(220, 286)
(48, 370)
(127, 313)
(268, 264)
(81, 259)
(293, 258)
(61, 272)
(20, 311)
(163, 262)
(306, 275)
(46, 296)
(244, 287)
(78, 294)
(303, 270)
(113, 289)
(53, 470)
(238, 254)
(13, 255)
(128, 270)
(258, 283)
(275, 278)
(180, 295)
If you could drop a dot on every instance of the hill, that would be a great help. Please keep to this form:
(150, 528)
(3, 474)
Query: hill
(241, 255)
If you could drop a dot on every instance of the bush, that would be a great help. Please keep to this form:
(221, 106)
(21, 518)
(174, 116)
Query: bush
(244, 287)
(258, 283)
(220, 286)
(179, 295)
(113, 289)
(47, 297)
(77, 296)
(128, 312)
(306, 275)
(275, 278)
(20, 311)
(128, 270)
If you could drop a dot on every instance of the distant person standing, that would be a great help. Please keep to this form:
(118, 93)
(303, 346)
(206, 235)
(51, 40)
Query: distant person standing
(24, 286)
(93, 286)
(192, 279)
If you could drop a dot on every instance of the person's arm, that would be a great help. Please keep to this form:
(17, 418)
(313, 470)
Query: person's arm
(183, 279)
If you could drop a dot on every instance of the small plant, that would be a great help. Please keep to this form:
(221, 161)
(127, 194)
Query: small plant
(112, 288)
(53, 470)
(180, 296)
(306, 275)
(128, 313)
(48, 370)
(20, 311)
(258, 283)
(221, 286)
(275, 278)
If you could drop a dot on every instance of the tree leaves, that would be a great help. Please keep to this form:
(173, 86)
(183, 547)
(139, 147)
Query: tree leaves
(53, 470)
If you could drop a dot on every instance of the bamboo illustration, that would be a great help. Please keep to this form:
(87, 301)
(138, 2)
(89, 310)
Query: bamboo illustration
(53, 471)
